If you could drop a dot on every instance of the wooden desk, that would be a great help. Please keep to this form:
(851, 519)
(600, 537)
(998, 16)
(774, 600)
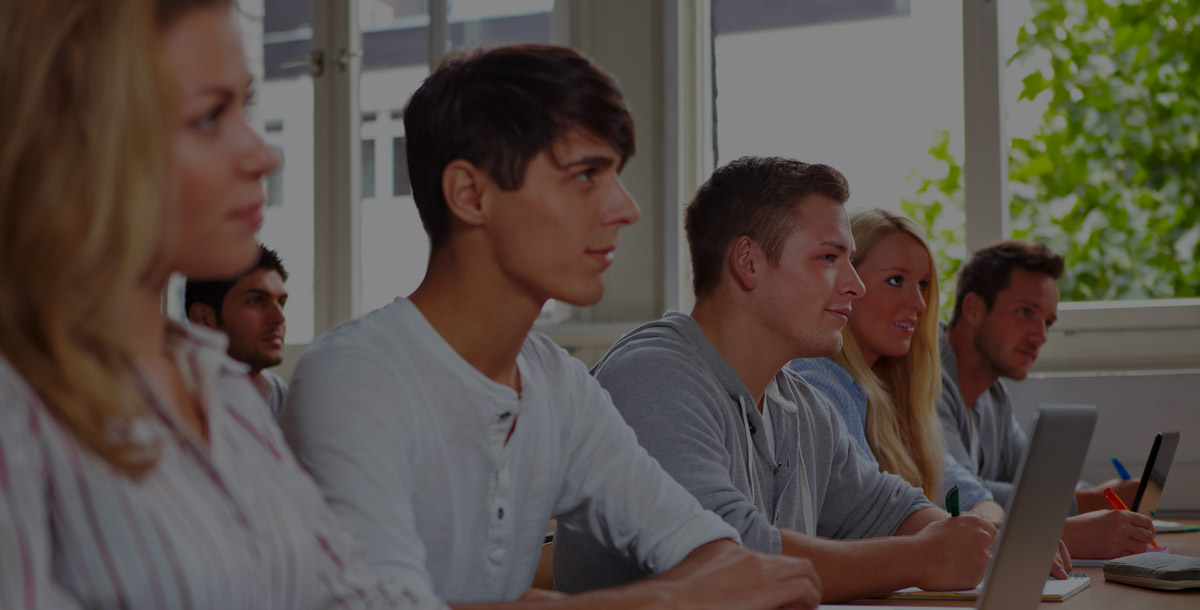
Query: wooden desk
(1103, 595)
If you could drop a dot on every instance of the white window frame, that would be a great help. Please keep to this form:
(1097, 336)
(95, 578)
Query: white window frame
(1095, 335)
(661, 52)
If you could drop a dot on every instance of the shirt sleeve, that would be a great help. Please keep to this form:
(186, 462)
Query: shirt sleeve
(670, 407)
(366, 490)
(852, 409)
(860, 501)
(615, 491)
(26, 547)
(970, 490)
(1013, 441)
(955, 431)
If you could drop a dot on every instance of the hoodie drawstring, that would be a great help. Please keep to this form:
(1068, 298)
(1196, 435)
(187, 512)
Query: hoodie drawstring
(749, 447)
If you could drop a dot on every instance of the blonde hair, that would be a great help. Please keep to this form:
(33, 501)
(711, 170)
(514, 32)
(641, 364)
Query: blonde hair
(902, 425)
(85, 123)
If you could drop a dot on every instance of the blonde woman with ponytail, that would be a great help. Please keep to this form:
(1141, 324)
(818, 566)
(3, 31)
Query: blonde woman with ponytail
(138, 466)
(885, 380)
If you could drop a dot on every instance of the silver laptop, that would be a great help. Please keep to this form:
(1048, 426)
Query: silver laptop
(1041, 500)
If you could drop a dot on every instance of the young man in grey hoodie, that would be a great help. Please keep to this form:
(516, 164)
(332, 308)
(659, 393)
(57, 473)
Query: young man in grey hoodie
(710, 398)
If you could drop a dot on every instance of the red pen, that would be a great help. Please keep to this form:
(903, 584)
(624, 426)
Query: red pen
(1115, 501)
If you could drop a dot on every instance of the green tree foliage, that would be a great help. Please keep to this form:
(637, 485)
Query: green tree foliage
(939, 208)
(1111, 178)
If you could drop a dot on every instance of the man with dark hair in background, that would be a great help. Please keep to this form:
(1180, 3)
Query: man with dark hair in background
(1006, 301)
(249, 310)
(443, 431)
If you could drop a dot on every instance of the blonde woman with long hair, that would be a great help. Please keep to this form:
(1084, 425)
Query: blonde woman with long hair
(885, 380)
(139, 468)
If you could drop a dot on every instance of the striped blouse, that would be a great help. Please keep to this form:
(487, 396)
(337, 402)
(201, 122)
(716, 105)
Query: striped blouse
(228, 524)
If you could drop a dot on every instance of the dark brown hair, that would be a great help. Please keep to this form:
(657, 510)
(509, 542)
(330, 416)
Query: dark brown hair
(990, 269)
(212, 292)
(757, 197)
(498, 109)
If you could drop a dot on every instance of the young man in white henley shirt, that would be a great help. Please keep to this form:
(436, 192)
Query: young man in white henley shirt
(444, 432)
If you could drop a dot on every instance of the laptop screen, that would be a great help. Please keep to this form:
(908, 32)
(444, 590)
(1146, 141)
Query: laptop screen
(1154, 477)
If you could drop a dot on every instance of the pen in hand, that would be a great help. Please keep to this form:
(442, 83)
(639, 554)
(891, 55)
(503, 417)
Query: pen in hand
(952, 501)
(1124, 474)
(1115, 501)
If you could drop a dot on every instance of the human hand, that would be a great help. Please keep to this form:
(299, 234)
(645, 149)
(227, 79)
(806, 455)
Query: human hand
(1108, 534)
(722, 574)
(1061, 568)
(1090, 499)
(955, 552)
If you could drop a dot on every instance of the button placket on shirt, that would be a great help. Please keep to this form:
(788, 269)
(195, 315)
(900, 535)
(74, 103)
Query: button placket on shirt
(499, 498)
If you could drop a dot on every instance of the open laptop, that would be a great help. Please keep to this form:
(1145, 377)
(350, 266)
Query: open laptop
(1041, 500)
(1154, 478)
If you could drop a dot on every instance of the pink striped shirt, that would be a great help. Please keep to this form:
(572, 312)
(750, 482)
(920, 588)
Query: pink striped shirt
(234, 523)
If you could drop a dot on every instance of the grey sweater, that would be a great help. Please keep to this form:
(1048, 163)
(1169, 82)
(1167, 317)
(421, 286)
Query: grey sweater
(693, 414)
(1000, 439)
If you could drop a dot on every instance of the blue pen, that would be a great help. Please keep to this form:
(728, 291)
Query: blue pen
(1120, 469)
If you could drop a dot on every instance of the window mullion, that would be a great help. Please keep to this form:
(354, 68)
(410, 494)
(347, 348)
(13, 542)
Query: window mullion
(337, 162)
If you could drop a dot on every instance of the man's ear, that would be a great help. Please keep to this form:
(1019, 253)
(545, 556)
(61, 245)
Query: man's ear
(202, 315)
(745, 263)
(973, 309)
(462, 187)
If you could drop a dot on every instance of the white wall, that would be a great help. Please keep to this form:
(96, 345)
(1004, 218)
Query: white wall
(1133, 407)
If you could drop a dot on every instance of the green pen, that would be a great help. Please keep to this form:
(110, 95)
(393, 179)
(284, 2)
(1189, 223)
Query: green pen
(952, 501)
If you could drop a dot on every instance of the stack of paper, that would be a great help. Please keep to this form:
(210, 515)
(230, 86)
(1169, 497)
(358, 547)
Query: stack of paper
(1053, 591)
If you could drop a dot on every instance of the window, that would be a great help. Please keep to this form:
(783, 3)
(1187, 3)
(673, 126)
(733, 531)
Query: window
(1079, 121)
(400, 185)
(368, 169)
(275, 180)
(870, 88)
(285, 106)
(393, 247)
(1104, 148)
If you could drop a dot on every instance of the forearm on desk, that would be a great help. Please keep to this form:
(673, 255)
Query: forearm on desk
(856, 569)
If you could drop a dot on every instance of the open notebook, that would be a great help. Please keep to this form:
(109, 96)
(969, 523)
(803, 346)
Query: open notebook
(1053, 591)
(1038, 506)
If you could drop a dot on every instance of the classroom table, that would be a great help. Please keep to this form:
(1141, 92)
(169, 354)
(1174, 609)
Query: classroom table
(1102, 595)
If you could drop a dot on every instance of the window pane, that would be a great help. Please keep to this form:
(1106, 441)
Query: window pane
(395, 249)
(393, 245)
(368, 169)
(285, 109)
(867, 87)
(1103, 114)
(400, 184)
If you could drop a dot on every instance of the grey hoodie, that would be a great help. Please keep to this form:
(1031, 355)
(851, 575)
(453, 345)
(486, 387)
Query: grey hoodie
(695, 416)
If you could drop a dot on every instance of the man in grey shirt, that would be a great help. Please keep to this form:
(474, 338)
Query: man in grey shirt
(445, 433)
(1006, 301)
(710, 399)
